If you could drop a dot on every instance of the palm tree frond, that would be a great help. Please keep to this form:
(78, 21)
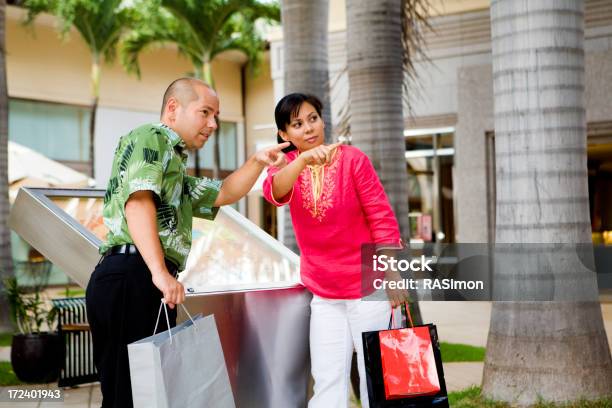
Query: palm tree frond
(200, 32)
(35, 7)
(155, 28)
(239, 34)
(415, 23)
(268, 11)
(197, 18)
(133, 45)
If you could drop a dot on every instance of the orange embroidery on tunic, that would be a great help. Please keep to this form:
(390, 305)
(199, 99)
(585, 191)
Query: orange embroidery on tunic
(318, 202)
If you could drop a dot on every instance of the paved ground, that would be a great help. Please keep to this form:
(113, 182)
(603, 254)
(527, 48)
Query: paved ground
(458, 322)
(468, 322)
(86, 396)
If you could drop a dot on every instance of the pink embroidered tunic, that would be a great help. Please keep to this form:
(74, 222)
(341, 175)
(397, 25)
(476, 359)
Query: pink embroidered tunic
(352, 210)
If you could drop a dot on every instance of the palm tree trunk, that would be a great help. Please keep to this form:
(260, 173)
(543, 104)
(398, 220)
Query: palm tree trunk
(207, 76)
(305, 47)
(196, 158)
(374, 62)
(306, 63)
(557, 351)
(217, 151)
(95, 92)
(6, 260)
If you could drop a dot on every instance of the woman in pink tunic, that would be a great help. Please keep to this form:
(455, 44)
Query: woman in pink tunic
(337, 203)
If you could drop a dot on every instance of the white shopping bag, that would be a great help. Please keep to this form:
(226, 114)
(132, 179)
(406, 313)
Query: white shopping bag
(182, 368)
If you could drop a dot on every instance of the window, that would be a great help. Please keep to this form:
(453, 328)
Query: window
(227, 136)
(430, 159)
(58, 131)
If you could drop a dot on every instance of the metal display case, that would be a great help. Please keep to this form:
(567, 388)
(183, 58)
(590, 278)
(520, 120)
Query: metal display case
(236, 271)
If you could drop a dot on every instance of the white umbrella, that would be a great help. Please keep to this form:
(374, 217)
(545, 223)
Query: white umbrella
(27, 168)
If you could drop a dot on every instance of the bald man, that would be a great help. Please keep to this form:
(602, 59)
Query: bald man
(148, 209)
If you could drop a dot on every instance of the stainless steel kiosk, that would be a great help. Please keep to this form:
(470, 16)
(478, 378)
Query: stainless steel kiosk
(237, 272)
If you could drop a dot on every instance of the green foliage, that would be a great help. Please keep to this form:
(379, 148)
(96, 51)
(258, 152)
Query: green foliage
(452, 353)
(70, 292)
(28, 311)
(99, 22)
(5, 339)
(471, 398)
(7, 375)
(200, 29)
(600, 403)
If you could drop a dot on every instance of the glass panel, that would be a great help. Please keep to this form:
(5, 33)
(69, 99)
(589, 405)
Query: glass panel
(421, 195)
(446, 140)
(430, 162)
(229, 251)
(57, 131)
(228, 149)
(86, 210)
(419, 142)
(229, 145)
(233, 251)
(600, 191)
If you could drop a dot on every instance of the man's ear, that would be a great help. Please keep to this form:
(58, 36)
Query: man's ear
(171, 106)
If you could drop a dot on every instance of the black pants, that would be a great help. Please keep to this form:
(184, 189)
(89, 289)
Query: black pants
(122, 307)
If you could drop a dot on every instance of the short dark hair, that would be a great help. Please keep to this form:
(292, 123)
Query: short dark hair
(288, 107)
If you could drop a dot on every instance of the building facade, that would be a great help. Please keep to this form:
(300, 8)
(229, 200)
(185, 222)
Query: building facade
(50, 98)
(449, 128)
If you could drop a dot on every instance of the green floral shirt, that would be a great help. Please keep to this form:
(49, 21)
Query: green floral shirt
(152, 157)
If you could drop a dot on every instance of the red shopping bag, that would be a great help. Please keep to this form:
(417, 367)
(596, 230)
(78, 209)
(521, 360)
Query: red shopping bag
(408, 362)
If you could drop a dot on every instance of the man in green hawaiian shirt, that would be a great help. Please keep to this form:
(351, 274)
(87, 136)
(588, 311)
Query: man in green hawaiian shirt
(148, 209)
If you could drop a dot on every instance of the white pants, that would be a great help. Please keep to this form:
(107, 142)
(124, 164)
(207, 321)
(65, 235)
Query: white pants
(335, 329)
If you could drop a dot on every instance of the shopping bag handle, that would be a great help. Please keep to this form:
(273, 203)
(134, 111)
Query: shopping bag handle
(392, 318)
(163, 303)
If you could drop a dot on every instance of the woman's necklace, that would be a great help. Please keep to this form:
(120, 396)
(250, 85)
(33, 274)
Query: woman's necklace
(317, 179)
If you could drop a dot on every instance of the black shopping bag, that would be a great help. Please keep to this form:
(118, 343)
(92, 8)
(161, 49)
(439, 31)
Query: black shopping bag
(375, 380)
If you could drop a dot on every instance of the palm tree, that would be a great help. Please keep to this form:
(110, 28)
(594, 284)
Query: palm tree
(306, 64)
(557, 350)
(100, 24)
(305, 51)
(201, 31)
(382, 40)
(6, 260)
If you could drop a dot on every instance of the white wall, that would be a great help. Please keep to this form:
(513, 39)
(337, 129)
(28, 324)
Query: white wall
(111, 124)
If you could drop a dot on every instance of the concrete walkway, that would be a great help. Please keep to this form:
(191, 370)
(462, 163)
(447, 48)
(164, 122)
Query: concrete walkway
(468, 322)
(85, 396)
(5, 354)
(457, 322)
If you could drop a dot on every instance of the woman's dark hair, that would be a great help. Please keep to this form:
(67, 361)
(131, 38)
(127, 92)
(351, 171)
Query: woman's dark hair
(289, 107)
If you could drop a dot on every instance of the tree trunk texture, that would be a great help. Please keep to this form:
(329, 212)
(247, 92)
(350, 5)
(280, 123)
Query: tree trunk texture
(217, 150)
(95, 93)
(92, 138)
(6, 260)
(374, 62)
(216, 164)
(204, 73)
(556, 351)
(306, 64)
(196, 160)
